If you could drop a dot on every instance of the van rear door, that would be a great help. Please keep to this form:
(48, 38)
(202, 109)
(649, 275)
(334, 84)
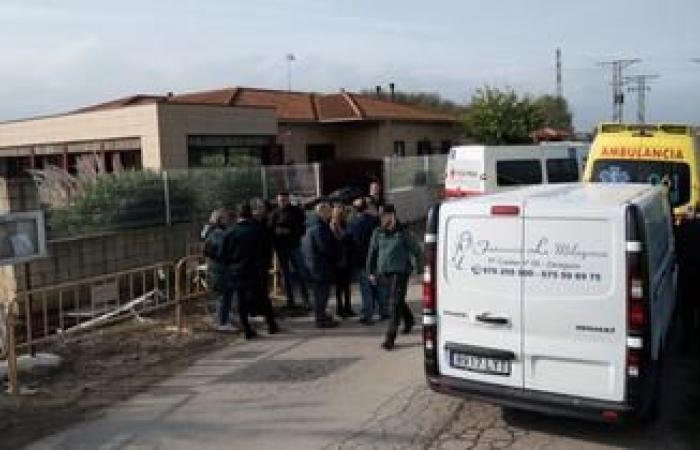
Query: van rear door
(574, 300)
(479, 290)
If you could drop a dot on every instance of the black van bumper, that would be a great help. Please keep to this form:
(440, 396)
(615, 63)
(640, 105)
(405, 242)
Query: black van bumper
(551, 404)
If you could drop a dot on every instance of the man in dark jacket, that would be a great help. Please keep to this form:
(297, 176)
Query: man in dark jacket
(361, 227)
(320, 252)
(261, 219)
(242, 252)
(389, 264)
(287, 225)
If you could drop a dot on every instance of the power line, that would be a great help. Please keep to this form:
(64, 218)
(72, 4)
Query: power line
(618, 82)
(641, 87)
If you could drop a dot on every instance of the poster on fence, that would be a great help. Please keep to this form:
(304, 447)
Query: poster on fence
(22, 237)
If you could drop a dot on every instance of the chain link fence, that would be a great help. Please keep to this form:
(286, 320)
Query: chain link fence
(413, 183)
(84, 204)
(78, 205)
(414, 172)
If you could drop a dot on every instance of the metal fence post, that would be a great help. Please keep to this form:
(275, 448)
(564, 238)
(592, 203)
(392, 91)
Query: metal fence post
(166, 198)
(317, 173)
(387, 174)
(179, 323)
(263, 179)
(426, 169)
(12, 350)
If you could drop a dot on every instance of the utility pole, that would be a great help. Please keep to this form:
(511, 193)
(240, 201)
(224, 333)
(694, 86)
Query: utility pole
(641, 87)
(560, 93)
(290, 59)
(618, 82)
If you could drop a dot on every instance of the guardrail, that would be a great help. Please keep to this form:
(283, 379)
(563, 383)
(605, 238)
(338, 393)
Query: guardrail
(44, 315)
(191, 282)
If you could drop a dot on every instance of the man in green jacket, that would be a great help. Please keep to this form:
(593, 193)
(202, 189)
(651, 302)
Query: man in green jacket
(389, 265)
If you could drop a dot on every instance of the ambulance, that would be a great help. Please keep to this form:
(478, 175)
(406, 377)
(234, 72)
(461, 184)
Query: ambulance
(655, 154)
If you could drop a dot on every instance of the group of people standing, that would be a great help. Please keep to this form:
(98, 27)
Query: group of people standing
(339, 245)
(239, 249)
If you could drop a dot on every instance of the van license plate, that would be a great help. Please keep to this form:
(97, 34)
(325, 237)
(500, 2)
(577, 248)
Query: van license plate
(480, 364)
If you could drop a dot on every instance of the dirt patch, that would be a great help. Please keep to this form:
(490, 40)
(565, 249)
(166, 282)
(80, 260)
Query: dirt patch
(101, 368)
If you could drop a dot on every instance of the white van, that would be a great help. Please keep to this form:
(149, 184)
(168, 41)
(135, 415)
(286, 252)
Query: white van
(485, 169)
(555, 298)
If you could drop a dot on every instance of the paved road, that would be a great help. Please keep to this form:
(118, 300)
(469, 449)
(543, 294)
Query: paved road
(336, 389)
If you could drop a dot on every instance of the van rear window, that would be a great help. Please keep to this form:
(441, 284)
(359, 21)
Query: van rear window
(518, 172)
(640, 171)
(562, 170)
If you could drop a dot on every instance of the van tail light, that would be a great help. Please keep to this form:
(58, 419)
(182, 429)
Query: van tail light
(637, 351)
(430, 300)
(428, 289)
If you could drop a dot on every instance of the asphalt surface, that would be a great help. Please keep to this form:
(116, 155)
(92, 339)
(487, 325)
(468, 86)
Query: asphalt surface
(336, 389)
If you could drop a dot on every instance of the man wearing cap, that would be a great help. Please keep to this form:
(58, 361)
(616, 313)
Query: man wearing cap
(389, 265)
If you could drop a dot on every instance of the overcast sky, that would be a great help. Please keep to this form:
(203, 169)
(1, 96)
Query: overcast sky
(61, 54)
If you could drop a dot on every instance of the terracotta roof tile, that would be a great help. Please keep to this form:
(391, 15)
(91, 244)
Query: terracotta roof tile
(289, 105)
(292, 106)
(335, 106)
(381, 109)
(220, 97)
(132, 100)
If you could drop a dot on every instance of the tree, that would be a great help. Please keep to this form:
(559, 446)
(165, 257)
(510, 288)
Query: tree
(501, 117)
(555, 112)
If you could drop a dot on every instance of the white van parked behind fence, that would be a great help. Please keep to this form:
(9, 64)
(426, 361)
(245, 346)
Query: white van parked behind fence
(485, 169)
(552, 298)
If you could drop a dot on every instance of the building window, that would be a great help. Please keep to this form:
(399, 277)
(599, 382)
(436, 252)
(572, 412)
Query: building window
(399, 148)
(226, 150)
(424, 147)
(445, 146)
(564, 170)
(518, 172)
(15, 166)
(320, 153)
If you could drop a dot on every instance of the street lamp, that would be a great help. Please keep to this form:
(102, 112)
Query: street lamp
(290, 59)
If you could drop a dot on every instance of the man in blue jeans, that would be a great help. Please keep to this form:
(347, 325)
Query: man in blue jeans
(287, 225)
(361, 228)
(321, 253)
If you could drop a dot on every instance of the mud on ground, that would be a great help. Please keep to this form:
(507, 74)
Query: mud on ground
(103, 367)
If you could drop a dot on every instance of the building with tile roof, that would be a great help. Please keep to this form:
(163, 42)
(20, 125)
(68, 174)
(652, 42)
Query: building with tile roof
(226, 126)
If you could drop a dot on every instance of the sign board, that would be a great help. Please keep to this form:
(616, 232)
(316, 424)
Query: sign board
(22, 237)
